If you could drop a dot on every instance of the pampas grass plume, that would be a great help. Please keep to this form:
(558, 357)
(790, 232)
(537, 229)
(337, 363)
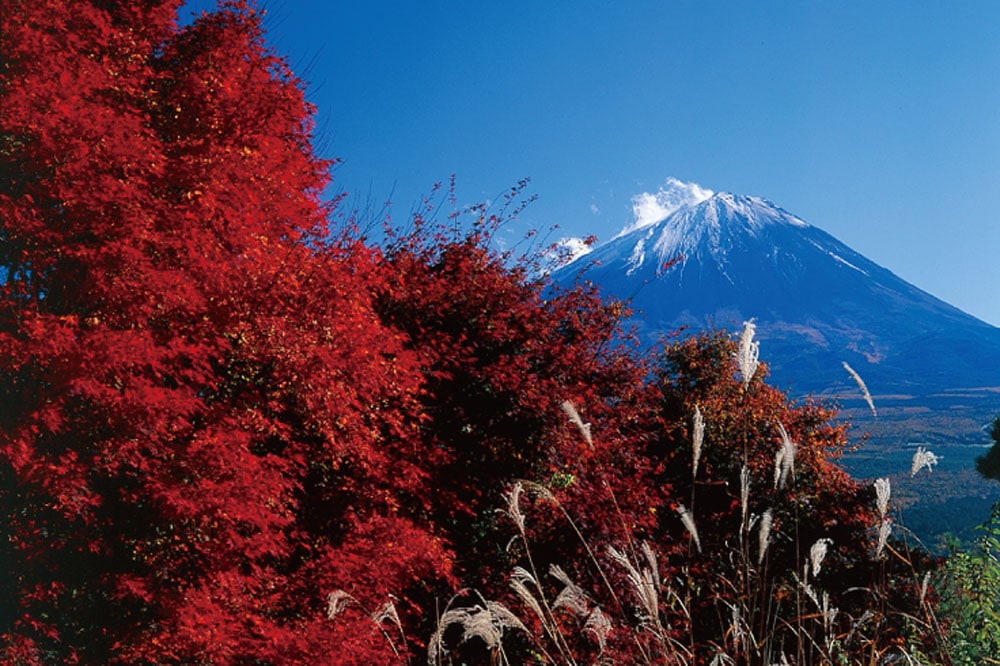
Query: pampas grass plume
(882, 492)
(784, 459)
(574, 416)
(817, 553)
(513, 498)
(688, 521)
(748, 354)
(698, 437)
(764, 536)
(861, 385)
(336, 602)
(922, 458)
(884, 530)
(599, 625)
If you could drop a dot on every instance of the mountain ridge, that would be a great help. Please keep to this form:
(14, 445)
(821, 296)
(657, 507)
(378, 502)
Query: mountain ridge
(817, 302)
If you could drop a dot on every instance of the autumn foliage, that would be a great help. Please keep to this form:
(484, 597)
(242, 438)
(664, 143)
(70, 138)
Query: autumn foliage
(222, 420)
(206, 426)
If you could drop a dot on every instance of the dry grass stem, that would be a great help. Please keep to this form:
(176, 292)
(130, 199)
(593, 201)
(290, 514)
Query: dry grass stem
(829, 613)
(737, 627)
(538, 490)
(744, 493)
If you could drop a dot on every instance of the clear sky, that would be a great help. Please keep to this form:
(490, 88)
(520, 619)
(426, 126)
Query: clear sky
(877, 121)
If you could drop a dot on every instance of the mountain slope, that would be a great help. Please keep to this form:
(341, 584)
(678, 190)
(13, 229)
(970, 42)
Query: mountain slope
(816, 301)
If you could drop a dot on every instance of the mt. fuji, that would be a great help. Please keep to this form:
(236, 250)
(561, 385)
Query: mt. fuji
(816, 302)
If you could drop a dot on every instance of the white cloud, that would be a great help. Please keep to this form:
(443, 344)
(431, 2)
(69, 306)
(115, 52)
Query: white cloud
(594, 209)
(650, 208)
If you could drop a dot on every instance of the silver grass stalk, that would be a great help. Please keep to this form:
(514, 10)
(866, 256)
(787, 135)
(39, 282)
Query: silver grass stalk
(810, 592)
(435, 646)
(599, 626)
(748, 353)
(643, 584)
(503, 618)
(485, 623)
(884, 530)
(654, 569)
(764, 536)
(698, 436)
(829, 613)
(478, 623)
(574, 416)
(778, 460)
(529, 599)
(923, 587)
(738, 632)
(784, 459)
(882, 493)
(387, 612)
(788, 463)
(922, 458)
(688, 521)
(861, 385)
(538, 490)
(858, 624)
(817, 553)
(523, 575)
(336, 602)
(571, 597)
(520, 579)
(513, 498)
(744, 492)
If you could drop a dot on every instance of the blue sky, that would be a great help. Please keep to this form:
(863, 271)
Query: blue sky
(876, 121)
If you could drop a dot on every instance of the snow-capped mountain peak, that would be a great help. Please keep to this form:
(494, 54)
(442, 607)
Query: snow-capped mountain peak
(817, 301)
(704, 226)
(649, 208)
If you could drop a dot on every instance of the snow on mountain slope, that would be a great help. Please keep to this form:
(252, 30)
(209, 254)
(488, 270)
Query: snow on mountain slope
(816, 301)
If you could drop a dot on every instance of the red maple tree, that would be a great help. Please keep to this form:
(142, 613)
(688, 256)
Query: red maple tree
(206, 428)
